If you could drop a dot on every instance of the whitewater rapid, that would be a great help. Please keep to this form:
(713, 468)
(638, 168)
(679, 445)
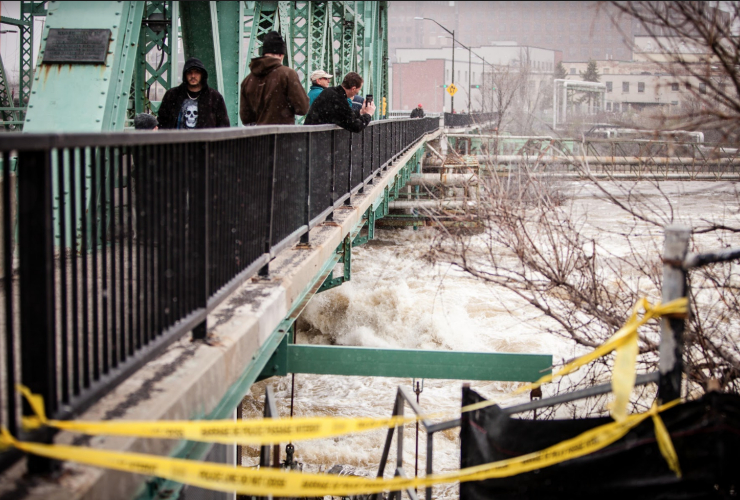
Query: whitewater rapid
(398, 299)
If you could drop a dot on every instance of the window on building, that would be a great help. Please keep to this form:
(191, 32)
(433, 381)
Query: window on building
(641, 86)
(674, 103)
(616, 106)
(608, 106)
(674, 87)
(703, 88)
(688, 86)
(625, 86)
(609, 86)
(447, 74)
(572, 71)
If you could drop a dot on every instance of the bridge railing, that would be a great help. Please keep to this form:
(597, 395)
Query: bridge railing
(465, 120)
(126, 241)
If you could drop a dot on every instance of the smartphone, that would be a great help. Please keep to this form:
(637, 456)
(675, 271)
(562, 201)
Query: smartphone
(368, 99)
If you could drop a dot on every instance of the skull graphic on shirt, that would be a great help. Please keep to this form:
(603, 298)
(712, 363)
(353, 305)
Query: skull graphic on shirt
(188, 114)
(191, 115)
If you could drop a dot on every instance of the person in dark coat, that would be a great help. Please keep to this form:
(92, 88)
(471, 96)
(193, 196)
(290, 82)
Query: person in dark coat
(418, 112)
(331, 106)
(272, 93)
(193, 104)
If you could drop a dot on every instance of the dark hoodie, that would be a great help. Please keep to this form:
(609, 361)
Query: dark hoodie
(271, 94)
(211, 106)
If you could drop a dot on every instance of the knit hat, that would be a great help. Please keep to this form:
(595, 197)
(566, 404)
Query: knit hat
(144, 121)
(273, 43)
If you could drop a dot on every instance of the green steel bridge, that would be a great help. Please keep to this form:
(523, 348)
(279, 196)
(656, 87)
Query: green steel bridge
(224, 238)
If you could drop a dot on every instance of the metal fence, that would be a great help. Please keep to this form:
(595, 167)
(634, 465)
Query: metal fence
(126, 241)
(456, 120)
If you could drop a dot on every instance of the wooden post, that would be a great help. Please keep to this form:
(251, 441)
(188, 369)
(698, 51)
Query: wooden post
(671, 328)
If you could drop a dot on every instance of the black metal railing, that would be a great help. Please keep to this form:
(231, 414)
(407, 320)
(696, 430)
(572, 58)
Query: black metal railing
(457, 120)
(126, 241)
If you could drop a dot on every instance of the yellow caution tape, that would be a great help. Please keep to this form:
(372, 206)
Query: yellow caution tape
(276, 482)
(269, 431)
(665, 444)
(255, 432)
(625, 335)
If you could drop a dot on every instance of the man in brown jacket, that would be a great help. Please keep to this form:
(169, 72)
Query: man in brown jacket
(271, 94)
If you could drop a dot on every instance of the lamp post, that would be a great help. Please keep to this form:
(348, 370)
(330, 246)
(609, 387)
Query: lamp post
(452, 98)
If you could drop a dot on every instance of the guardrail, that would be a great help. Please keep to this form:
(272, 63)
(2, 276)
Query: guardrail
(126, 241)
(457, 120)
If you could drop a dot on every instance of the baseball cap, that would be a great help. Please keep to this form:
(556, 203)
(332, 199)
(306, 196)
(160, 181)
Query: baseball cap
(320, 73)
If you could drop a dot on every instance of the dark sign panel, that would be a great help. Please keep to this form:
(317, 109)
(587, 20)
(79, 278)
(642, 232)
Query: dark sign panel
(76, 46)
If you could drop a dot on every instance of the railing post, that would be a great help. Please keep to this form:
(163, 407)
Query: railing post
(671, 328)
(350, 142)
(305, 237)
(332, 183)
(265, 270)
(201, 231)
(37, 310)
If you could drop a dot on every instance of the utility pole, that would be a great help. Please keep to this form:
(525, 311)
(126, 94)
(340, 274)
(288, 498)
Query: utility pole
(470, 82)
(452, 99)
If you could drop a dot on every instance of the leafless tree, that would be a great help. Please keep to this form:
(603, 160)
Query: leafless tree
(514, 92)
(696, 45)
(537, 243)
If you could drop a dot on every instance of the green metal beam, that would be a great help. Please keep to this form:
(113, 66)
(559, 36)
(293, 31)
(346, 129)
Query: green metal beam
(14, 22)
(231, 27)
(159, 37)
(408, 363)
(56, 103)
(200, 38)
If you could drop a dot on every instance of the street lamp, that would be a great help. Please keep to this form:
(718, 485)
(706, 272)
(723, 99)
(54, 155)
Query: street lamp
(452, 99)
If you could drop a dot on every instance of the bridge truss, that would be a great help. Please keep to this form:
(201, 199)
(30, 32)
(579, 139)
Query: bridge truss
(336, 36)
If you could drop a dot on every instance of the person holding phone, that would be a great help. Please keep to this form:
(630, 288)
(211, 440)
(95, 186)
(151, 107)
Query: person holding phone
(332, 106)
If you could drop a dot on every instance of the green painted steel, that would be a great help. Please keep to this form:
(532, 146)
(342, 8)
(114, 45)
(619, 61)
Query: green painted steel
(335, 36)
(345, 250)
(158, 35)
(8, 115)
(230, 36)
(200, 38)
(57, 102)
(409, 363)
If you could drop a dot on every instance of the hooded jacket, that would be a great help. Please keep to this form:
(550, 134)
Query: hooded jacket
(211, 106)
(313, 93)
(331, 106)
(271, 94)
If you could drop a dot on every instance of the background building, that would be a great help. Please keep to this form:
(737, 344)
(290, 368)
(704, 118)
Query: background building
(418, 76)
(581, 30)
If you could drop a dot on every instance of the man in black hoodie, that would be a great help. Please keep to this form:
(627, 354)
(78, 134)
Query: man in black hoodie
(193, 104)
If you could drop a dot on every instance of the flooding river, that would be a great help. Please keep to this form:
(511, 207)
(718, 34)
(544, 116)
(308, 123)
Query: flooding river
(398, 299)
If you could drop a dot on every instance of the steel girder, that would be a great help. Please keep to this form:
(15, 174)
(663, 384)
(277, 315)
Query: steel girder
(86, 97)
(6, 101)
(158, 31)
